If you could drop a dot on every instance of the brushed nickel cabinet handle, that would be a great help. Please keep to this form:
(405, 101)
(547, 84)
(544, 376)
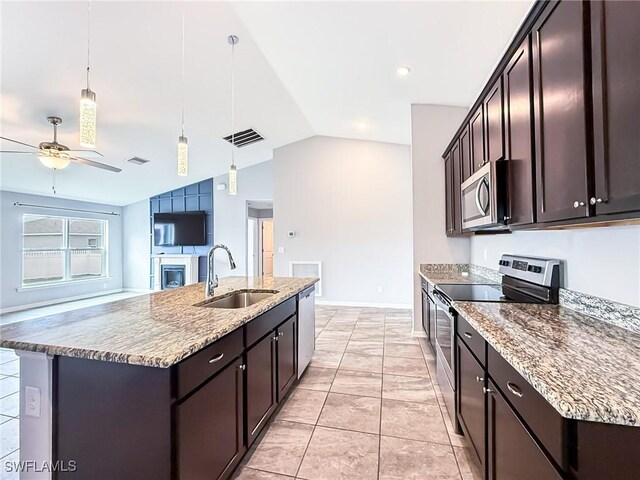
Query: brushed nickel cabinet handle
(242, 367)
(479, 379)
(513, 388)
(578, 204)
(217, 358)
(468, 335)
(487, 390)
(281, 334)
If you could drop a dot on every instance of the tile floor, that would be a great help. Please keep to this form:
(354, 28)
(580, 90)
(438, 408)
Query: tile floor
(9, 410)
(367, 408)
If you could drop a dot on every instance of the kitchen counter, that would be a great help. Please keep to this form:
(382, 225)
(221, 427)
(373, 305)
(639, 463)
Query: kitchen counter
(585, 368)
(451, 273)
(156, 330)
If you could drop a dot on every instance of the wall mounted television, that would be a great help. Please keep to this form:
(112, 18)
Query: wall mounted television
(179, 229)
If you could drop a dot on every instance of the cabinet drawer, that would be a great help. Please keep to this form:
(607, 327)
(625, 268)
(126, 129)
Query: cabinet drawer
(260, 326)
(197, 368)
(545, 422)
(472, 339)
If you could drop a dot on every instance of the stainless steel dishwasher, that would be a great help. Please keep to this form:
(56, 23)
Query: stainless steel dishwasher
(306, 327)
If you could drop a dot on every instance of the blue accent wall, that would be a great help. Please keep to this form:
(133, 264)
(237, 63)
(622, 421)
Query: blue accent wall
(192, 198)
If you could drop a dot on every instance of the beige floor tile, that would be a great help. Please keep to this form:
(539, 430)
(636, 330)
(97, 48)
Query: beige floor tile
(247, 473)
(409, 389)
(469, 467)
(402, 459)
(9, 386)
(10, 405)
(404, 339)
(316, 378)
(9, 436)
(366, 335)
(303, 406)
(331, 344)
(340, 455)
(341, 334)
(365, 347)
(416, 421)
(402, 350)
(410, 367)
(361, 363)
(326, 359)
(455, 439)
(282, 448)
(357, 383)
(351, 412)
(10, 368)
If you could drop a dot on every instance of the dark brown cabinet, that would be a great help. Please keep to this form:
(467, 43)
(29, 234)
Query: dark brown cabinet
(465, 154)
(261, 385)
(210, 427)
(448, 193)
(494, 123)
(476, 129)
(562, 153)
(615, 29)
(457, 181)
(471, 399)
(286, 347)
(512, 453)
(518, 107)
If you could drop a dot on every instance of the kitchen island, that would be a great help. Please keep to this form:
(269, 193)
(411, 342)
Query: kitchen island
(160, 386)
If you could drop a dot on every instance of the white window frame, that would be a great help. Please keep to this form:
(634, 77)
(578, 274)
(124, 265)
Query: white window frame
(66, 249)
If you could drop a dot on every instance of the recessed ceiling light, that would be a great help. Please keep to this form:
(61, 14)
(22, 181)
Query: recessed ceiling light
(361, 125)
(403, 70)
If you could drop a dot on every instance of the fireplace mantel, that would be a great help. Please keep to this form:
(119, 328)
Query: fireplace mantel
(190, 263)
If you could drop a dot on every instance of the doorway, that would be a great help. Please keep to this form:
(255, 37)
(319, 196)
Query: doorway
(260, 241)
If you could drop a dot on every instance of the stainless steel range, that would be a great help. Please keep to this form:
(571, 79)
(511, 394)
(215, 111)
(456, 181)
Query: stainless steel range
(525, 280)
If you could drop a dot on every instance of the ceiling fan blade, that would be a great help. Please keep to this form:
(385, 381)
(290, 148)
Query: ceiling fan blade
(85, 153)
(20, 143)
(17, 151)
(91, 163)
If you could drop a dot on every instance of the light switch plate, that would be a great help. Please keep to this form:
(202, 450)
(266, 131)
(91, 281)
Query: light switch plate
(32, 402)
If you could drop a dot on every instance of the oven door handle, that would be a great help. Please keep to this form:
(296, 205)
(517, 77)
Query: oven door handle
(442, 303)
(481, 183)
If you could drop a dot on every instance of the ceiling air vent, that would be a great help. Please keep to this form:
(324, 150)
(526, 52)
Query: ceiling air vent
(137, 161)
(243, 138)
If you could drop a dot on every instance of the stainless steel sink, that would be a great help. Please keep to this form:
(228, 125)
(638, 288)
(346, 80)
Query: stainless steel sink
(239, 299)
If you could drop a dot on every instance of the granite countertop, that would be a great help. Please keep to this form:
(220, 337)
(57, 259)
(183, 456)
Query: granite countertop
(441, 276)
(585, 368)
(156, 330)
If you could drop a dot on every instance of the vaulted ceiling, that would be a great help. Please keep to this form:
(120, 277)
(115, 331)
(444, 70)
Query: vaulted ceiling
(302, 69)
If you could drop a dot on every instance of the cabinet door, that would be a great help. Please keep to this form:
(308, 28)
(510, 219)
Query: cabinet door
(455, 189)
(560, 112)
(471, 397)
(287, 353)
(448, 193)
(518, 99)
(261, 385)
(465, 154)
(494, 123)
(616, 101)
(512, 452)
(210, 426)
(476, 128)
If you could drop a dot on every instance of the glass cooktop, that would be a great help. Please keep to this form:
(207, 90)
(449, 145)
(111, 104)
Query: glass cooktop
(474, 293)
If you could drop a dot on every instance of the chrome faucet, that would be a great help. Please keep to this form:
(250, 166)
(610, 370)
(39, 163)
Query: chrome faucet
(212, 278)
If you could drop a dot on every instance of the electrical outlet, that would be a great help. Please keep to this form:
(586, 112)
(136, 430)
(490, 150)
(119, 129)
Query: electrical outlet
(280, 249)
(485, 253)
(32, 401)
(379, 289)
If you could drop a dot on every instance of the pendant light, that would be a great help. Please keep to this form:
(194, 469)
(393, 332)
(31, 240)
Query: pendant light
(233, 172)
(183, 146)
(88, 99)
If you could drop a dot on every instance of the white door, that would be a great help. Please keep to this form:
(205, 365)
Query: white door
(267, 248)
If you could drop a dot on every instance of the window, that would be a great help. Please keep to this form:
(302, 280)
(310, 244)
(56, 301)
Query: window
(62, 249)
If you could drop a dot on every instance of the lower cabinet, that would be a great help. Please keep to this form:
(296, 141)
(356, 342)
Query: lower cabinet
(286, 342)
(261, 385)
(512, 453)
(471, 400)
(210, 426)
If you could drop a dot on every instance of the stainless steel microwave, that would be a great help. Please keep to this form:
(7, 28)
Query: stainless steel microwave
(483, 198)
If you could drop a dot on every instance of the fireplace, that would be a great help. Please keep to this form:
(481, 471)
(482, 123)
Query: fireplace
(173, 276)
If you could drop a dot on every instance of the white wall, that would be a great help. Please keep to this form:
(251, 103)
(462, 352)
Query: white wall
(137, 245)
(230, 213)
(11, 294)
(349, 202)
(432, 127)
(604, 262)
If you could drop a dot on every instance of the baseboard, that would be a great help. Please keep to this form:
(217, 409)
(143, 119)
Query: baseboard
(404, 306)
(418, 333)
(47, 303)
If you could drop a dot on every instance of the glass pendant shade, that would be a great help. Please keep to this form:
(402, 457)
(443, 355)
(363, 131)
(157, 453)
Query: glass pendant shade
(183, 156)
(88, 118)
(233, 180)
(53, 161)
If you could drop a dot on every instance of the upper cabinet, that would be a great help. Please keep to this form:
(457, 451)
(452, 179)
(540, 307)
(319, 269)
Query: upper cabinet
(494, 123)
(448, 195)
(465, 154)
(615, 53)
(476, 129)
(518, 108)
(560, 112)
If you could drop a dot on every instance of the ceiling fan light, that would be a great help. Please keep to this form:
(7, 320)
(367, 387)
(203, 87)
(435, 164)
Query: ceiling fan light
(53, 161)
(88, 118)
(233, 180)
(183, 156)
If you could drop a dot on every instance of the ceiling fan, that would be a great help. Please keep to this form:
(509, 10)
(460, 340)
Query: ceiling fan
(57, 156)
